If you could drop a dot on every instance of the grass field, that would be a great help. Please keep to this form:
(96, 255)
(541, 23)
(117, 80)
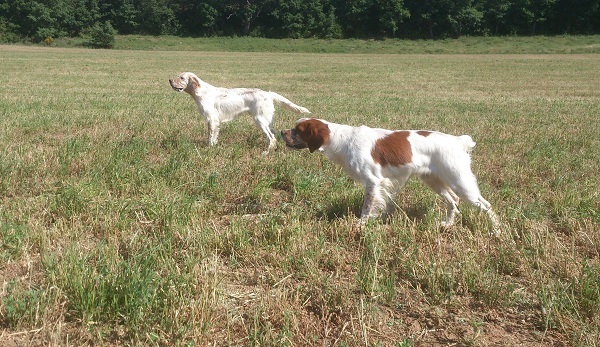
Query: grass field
(464, 45)
(119, 226)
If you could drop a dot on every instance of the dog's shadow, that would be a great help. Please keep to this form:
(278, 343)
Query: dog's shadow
(339, 210)
(343, 208)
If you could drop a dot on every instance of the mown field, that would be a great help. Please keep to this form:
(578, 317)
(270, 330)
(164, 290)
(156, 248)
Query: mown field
(565, 44)
(119, 226)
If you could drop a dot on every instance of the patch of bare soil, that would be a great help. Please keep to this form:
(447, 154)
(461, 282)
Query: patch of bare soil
(461, 327)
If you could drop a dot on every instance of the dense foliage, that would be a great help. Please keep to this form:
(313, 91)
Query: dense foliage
(38, 20)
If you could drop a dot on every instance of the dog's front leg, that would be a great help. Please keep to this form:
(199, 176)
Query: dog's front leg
(213, 130)
(373, 204)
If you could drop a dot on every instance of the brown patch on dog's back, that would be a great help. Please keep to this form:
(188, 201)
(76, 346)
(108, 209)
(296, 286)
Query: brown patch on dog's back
(424, 133)
(250, 91)
(393, 149)
(314, 132)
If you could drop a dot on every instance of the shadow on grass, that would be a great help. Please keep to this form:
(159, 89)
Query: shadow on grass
(341, 209)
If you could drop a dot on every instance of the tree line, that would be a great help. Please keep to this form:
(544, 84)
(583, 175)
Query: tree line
(38, 20)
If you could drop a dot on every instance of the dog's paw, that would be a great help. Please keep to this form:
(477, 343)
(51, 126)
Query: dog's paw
(446, 224)
(495, 231)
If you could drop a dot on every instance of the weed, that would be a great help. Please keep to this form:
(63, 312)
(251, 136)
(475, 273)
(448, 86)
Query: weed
(13, 239)
(21, 306)
(587, 291)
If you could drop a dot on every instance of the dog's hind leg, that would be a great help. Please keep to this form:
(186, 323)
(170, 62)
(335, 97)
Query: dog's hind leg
(265, 126)
(484, 205)
(443, 190)
(468, 190)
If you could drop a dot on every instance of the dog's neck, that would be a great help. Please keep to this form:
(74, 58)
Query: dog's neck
(335, 149)
(203, 89)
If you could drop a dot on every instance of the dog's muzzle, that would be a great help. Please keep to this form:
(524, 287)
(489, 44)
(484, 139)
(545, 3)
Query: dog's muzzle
(292, 140)
(175, 88)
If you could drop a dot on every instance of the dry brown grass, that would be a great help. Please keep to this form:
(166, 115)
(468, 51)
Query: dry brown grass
(120, 227)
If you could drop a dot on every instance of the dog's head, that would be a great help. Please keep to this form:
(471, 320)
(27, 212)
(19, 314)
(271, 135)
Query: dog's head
(309, 133)
(186, 81)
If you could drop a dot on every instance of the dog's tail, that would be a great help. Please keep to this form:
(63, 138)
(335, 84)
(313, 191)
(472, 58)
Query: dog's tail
(288, 104)
(467, 142)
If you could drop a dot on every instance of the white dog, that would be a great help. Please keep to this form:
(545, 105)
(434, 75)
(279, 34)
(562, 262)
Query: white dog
(222, 104)
(383, 160)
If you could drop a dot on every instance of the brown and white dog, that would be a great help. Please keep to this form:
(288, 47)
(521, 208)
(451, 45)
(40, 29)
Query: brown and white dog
(219, 105)
(383, 160)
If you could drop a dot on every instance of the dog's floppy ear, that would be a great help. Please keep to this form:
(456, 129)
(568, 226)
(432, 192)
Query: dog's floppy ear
(314, 132)
(194, 82)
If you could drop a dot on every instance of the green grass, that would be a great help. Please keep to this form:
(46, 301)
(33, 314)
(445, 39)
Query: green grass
(463, 45)
(119, 226)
